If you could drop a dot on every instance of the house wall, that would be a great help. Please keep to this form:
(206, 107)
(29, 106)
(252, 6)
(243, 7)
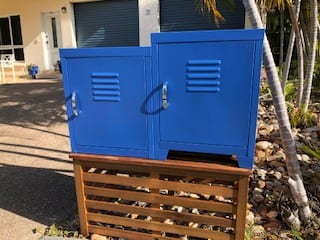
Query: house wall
(33, 35)
(148, 20)
(33, 30)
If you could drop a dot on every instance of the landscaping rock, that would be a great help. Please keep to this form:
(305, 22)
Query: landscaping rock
(264, 145)
(258, 232)
(269, 190)
(98, 237)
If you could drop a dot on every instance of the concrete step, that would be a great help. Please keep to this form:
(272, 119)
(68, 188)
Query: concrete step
(7, 75)
(49, 74)
(21, 74)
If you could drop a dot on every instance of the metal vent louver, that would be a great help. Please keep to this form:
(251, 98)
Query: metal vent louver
(105, 86)
(203, 75)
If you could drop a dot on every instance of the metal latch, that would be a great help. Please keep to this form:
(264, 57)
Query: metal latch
(165, 103)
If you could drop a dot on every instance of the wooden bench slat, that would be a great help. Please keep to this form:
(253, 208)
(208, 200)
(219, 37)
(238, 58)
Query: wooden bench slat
(162, 170)
(161, 214)
(161, 199)
(158, 184)
(173, 164)
(114, 232)
(155, 226)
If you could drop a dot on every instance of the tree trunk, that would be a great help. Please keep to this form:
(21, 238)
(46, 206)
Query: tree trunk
(281, 37)
(300, 56)
(305, 31)
(295, 179)
(262, 11)
(318, 26)
(311, 54)
(287, 64)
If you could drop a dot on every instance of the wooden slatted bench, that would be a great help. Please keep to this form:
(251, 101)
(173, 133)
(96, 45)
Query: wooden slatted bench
(136, 198)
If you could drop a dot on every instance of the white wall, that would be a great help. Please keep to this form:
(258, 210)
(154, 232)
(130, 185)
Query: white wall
(32, 26)
(68, 28)
(148, 20)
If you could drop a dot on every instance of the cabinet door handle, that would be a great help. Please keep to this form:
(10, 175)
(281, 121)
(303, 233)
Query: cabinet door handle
(74, 104)
(165, 103)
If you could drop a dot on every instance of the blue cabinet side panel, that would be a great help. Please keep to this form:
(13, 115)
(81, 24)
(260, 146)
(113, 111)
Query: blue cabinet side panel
(255, 98)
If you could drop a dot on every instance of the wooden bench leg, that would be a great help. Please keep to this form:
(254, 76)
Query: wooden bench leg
(242, 200)
(81, 198)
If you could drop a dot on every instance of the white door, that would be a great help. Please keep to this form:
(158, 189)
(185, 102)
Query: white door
(53, 38)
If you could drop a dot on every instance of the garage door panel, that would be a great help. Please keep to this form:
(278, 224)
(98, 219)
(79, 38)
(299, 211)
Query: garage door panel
(107, 23)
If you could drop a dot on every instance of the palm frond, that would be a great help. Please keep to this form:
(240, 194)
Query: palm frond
(207, 7)
(280, 4)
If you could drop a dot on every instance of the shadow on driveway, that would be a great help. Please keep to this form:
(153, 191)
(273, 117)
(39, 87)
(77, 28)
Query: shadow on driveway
(36, 103)
(36, 174)
(42, 195)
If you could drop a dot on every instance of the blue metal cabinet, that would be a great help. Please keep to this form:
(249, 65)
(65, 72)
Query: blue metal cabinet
(207, 87)
(191, 91)
(105, 91)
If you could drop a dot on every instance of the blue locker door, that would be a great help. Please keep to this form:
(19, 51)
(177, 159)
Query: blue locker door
(108, 93)
(208, 90)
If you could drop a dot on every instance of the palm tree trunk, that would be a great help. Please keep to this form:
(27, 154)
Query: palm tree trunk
(305, 31)
(300, 56)
(295, 179)
(292, 39)
(318, 27)
(287, 63)
(262, 11)
(311, 55)
(281, 37)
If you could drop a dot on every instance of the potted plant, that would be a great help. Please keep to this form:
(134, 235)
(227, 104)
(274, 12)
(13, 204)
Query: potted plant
(33, 69)
(57, 66)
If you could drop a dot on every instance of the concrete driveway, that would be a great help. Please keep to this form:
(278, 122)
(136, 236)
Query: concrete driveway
(36, 179)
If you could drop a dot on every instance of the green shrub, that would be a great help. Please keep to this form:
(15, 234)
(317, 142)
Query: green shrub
(311, 150)
(299, 118)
